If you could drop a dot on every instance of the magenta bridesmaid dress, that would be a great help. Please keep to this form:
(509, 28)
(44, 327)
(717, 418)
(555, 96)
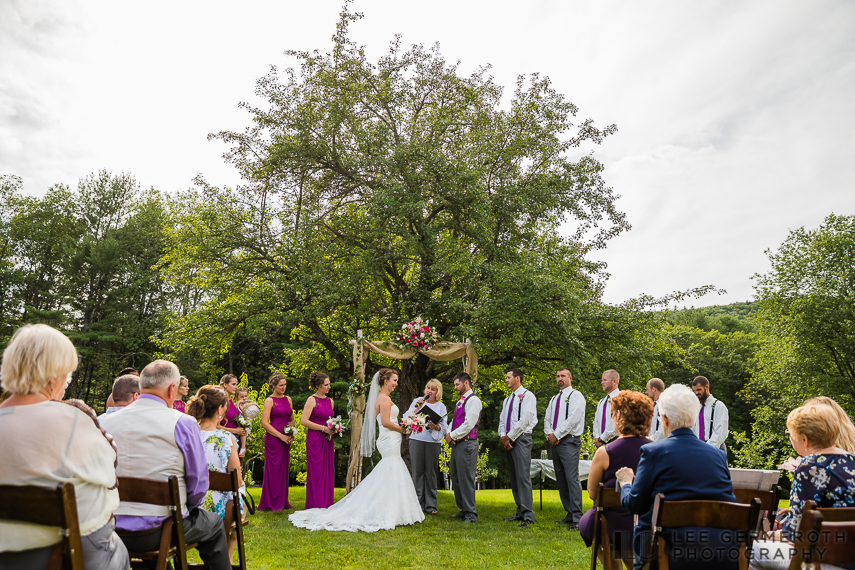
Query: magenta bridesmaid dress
(277, 460)
(320, 469)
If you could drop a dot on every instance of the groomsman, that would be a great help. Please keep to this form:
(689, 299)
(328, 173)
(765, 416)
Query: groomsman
(463, 439)
(655, 387)
(604, 425)
(563, 425)
(711, 425)
(518, 418)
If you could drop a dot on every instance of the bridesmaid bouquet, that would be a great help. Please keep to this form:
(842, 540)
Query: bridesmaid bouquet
(336, 425)
(414, 424)
(290, 430)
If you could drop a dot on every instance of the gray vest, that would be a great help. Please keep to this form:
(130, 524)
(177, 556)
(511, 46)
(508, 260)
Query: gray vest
(145, 436)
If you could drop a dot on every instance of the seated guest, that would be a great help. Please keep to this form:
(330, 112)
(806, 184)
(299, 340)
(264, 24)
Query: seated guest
(46, 443)
(845, 441)
(124, 372)
(208, 406)
(126, 389)
(825, 475)
(156, 442)
(632, 413)
(682, 468)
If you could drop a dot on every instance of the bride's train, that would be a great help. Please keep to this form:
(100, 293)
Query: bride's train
(385, 499)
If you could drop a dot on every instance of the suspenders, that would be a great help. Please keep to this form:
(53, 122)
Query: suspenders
(567, 407)
(712, 419)
(511, 405)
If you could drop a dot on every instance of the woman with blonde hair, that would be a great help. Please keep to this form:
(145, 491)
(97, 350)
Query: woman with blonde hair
(846, 439)
(183, 390)
(45, 443)
(425, 446)
(824, 475)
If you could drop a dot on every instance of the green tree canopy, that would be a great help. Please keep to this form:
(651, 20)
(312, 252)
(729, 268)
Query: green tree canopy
(377, 192)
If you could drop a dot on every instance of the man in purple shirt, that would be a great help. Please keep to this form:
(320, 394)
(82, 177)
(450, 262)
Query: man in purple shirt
(155, 442)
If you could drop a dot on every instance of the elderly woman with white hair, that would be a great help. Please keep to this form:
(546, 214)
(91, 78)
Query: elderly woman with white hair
(45, 443)
(682, 468)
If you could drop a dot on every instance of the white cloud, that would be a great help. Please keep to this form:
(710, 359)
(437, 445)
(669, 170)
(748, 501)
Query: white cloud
(735, 119)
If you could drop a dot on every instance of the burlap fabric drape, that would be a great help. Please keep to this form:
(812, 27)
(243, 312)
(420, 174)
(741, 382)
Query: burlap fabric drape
(442, 352)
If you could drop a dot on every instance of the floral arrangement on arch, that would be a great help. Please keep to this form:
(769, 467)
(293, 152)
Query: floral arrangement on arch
(417, 335)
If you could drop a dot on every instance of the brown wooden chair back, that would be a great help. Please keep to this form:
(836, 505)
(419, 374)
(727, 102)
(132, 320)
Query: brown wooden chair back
(602, 543)
(49, 507)
(709, 514)
(233, 522)
(769, 501)
(819, 542)
(165, 494)
(825, 535)
(831, 514)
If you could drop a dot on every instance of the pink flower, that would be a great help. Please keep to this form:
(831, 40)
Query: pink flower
(521, 396)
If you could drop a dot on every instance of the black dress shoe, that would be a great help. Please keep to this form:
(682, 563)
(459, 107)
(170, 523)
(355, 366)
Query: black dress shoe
(573, 526)
(526, 523)
(513, 518)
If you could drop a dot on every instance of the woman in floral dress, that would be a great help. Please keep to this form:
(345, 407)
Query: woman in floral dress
(826, 475)
(208, 406)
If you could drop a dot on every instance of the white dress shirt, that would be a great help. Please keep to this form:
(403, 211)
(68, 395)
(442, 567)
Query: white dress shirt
(716, 433)
(656, 433)
(430, 435)
(604, 407)
(571, 414)
(522, 405)
(473, 412)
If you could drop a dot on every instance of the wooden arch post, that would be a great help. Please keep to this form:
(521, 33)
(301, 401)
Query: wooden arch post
(441, 351)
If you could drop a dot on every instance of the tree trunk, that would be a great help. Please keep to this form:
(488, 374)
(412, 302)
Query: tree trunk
(411, 383)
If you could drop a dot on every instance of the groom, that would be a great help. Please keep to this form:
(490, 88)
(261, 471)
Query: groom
(463, 440)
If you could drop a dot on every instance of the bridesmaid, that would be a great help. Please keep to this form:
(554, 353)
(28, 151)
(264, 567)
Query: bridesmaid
(278, 412)
(183, 390)
(320, 467)
(229, 383)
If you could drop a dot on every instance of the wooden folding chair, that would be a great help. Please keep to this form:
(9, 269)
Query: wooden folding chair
(165, 494)
(233, 522)
(708, 514)
(602, 544)
(831, 514)
(49, 507)
(823, 542)
(769, 501)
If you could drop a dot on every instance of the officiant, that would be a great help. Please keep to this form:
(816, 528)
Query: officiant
(425, 446)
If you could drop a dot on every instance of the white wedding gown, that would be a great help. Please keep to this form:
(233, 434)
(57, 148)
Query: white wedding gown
(385, 499)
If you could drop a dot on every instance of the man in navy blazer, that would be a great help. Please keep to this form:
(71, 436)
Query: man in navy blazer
(681, 467)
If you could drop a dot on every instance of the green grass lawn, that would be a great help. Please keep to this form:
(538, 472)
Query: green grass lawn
(271, 541)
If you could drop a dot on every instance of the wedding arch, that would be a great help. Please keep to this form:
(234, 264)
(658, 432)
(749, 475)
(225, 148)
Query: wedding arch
(441, 351)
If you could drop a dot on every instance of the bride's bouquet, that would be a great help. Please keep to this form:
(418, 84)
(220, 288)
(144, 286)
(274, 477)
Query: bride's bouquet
(336, 425)
(290, 430)
(414, 424)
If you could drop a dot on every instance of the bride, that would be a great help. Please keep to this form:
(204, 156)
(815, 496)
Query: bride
(386, 498)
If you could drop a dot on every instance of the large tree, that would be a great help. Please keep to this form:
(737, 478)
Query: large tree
(377, 192)
(806, 322)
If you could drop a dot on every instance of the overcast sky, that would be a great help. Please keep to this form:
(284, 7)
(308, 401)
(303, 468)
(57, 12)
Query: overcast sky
(736, 120)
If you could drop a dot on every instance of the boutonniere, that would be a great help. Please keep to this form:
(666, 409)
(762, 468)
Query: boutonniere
(521, 396)
(567, 399)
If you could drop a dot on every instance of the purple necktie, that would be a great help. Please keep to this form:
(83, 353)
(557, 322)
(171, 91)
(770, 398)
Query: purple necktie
(557, 407)
(510, 409)
(701, 422)
(603, 428)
